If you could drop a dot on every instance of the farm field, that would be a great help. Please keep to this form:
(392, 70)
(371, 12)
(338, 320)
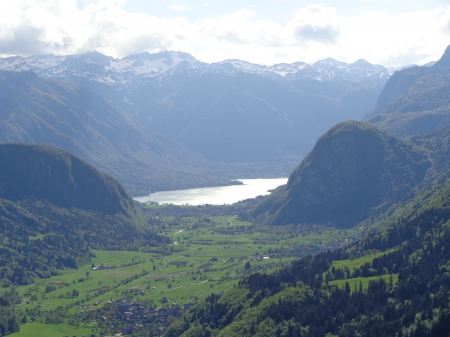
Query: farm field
(208, 255)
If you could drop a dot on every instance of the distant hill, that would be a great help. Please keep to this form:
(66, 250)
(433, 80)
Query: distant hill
(415, 100)
(353, 168)
(55, 208)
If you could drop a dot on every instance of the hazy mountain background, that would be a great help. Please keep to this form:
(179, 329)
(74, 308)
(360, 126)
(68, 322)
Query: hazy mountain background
(167, 120)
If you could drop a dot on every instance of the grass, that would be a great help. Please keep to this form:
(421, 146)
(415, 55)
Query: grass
(206, 255)
(350, 264)
(51, 330)
(358, 262)
(355, 282)
(37, 237)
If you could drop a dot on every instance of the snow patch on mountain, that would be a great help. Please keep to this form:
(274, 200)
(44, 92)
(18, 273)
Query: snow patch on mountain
(100, 68)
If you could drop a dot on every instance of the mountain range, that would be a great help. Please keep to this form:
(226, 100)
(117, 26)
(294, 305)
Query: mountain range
(213, 109)
(100, 68)
(38, 110)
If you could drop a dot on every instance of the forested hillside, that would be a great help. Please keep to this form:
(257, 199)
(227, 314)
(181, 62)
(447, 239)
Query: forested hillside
(393, 283)
(55, 208)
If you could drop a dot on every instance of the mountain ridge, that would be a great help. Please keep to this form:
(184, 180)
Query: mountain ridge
(415, 100)
(51, 65)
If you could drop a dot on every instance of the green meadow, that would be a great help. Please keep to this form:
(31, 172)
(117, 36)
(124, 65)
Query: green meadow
(356, 282)
(207, 255)
(49, 330)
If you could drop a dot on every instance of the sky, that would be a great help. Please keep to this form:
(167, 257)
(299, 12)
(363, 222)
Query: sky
(392, 33)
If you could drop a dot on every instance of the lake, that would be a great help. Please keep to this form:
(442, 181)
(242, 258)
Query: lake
(215, 195)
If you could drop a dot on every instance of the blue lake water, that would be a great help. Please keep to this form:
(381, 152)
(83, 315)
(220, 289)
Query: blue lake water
(215, 195)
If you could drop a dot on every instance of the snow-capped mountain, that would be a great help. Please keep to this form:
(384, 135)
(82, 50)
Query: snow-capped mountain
(101, 68)
(324, 70)
(117, 72)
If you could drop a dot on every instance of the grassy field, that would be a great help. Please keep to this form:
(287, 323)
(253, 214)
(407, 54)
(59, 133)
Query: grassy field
(208, 255)
(350, 264)
(355, 283)
(51, 330)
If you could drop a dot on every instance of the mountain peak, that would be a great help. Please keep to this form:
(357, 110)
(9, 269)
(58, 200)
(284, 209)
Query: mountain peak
(95, 57)
(329, 62)
(165, 54)
(361, 62)
(444, 61)
(43, 171)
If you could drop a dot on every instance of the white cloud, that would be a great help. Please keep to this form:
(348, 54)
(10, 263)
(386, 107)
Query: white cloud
(316, 23)
(315, 32)
(179, 8)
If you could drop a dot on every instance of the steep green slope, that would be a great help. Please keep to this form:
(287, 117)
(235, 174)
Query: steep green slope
(54, 208)
(415, 100)
(407, 294)
(353, 168)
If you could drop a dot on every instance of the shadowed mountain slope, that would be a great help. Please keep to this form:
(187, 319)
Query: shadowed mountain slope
(50, 174)
(353, 168)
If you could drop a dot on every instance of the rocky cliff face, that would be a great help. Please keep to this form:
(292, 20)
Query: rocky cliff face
(353, 168)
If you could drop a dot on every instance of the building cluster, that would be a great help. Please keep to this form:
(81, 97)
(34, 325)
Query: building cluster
(135, 316)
